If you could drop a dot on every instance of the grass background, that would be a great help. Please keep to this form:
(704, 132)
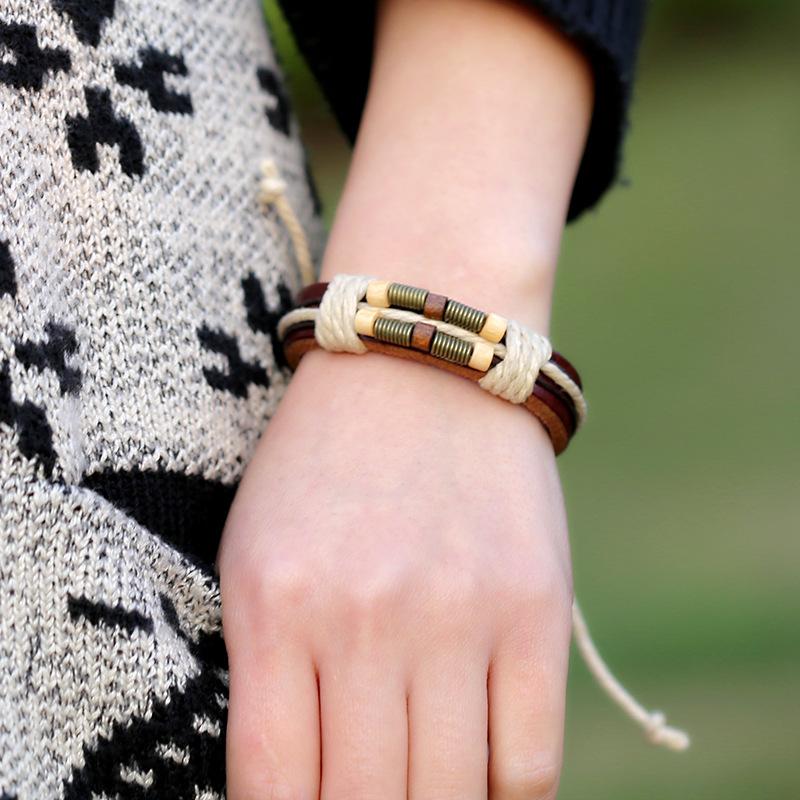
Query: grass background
(677, 298)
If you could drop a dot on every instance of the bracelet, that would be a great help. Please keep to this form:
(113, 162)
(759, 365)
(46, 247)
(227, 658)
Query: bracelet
(357, 313)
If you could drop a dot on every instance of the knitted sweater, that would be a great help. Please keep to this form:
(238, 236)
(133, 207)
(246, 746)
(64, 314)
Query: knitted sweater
(338, 47)
(140, 287)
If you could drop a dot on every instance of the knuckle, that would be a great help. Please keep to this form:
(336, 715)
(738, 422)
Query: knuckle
(459, 589)
(269, 790)
(533, 779)
(464, 586)
(356, 782)
(252, 773)
(281, 586)
(458, 607)
(362, 610)
(363, 601)
(546, 591)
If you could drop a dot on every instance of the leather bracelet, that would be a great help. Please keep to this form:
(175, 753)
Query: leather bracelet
(547, 399)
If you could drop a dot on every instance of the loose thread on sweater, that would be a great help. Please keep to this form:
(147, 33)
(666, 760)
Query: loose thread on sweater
(338, 332)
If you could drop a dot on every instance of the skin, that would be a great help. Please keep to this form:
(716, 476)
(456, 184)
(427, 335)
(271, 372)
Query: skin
(395, 567)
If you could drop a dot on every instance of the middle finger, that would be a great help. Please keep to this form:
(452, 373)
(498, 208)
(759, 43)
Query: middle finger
(448, 728)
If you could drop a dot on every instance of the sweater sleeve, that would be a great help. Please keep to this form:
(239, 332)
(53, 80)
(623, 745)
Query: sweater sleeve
(338, 48)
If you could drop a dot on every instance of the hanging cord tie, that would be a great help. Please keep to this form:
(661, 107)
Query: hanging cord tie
(652, 722)
(335, 330)
(272, 193)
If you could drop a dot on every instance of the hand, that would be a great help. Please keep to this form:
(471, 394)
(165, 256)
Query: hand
(396, 593)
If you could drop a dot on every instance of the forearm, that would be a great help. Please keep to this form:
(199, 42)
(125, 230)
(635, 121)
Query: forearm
(471, 137)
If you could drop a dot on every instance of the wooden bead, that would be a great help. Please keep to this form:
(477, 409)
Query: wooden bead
(494, 329)
(422, 336)
(481, 356)
(365, 321)
(434, 306)
(378, 293)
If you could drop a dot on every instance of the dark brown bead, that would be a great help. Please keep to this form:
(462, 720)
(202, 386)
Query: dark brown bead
(434, 306)
(422, 336)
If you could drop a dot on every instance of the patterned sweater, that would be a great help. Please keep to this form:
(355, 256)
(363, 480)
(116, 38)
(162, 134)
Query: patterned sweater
(140, 286)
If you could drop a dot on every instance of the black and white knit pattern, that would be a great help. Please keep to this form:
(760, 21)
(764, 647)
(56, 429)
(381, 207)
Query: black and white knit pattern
(112, 665)
(140, 287)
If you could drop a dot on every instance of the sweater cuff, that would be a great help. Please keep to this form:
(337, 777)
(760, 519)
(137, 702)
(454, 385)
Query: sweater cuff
(338, 49)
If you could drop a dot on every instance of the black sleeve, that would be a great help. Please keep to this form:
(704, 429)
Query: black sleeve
(338, 48)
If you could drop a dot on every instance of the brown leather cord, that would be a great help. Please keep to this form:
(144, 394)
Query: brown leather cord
(311, 295)
(567, 367)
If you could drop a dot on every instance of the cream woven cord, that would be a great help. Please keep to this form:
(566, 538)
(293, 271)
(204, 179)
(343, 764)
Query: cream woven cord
(513, 378)
(336, 327)
(524, 355)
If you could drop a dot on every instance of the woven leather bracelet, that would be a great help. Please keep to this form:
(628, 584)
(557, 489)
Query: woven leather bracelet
(412, 323)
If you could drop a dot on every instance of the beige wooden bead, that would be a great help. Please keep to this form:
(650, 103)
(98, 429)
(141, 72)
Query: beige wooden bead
(482, 355)
(365, 321)
(494, 329)
(378, 293)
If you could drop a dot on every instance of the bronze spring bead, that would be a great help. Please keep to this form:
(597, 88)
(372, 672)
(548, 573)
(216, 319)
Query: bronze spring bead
(464, 316)
(394, 331)
(451, 348)
(402, 295)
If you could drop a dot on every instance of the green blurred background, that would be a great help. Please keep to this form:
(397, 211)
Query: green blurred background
(677, 298)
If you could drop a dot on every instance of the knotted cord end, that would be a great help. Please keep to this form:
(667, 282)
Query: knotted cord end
(653, 722)
(659, 733)
(272, 193)
(272, 186)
